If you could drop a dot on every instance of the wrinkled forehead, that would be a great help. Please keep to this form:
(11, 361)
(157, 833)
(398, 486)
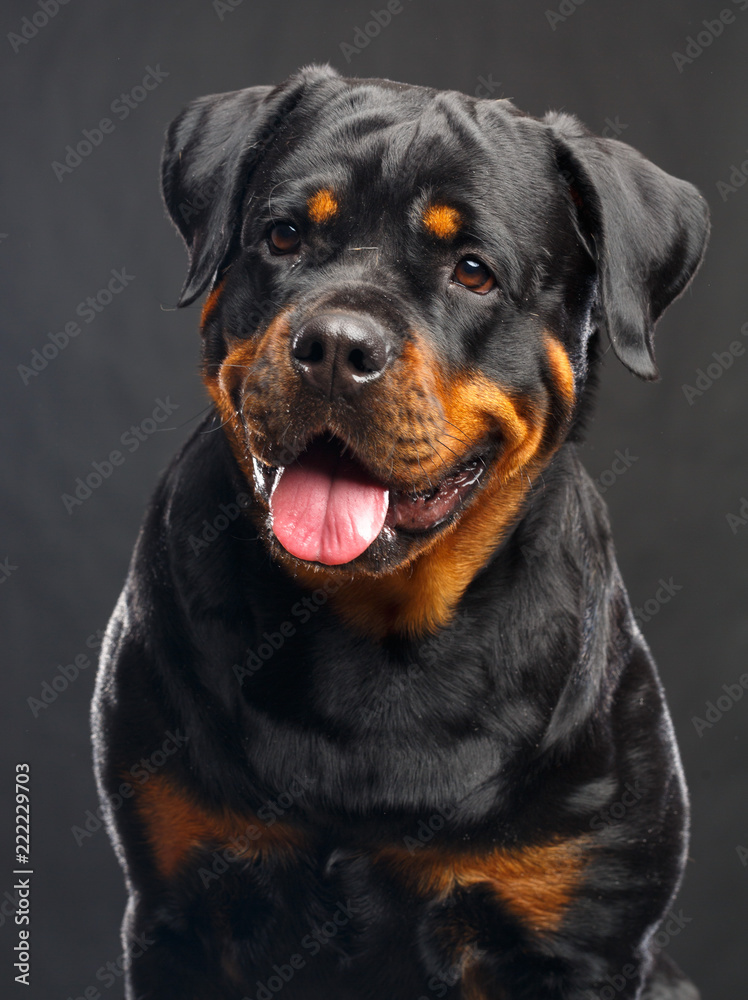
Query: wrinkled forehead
(404, 149)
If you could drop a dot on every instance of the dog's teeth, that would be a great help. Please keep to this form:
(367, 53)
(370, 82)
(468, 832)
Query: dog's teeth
(265, 478)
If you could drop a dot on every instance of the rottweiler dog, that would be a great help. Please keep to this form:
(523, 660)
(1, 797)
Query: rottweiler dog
(374, 719)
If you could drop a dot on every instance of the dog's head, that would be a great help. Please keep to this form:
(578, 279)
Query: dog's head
(406, 289)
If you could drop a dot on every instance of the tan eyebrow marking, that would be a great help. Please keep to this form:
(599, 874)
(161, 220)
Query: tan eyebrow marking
(322, 205)
(442, 220)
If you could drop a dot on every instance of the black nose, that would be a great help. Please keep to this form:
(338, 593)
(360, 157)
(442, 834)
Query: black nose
(338, 353)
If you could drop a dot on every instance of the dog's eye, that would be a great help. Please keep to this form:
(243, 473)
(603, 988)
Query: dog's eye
(284, 238)
(473, 274)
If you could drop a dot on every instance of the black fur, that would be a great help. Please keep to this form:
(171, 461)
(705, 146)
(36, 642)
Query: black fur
(514, 725)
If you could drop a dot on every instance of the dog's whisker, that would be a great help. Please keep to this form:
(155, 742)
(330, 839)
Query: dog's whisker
(454, 437)
(440, 443)
(189, 419)
(218, 427)
(467, 440)
(418, 459)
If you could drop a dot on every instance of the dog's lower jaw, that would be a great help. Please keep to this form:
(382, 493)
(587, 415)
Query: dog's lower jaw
(421, 591)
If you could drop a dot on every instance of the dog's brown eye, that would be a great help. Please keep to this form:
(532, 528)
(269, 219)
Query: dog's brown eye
(474, 275)
(284, 238)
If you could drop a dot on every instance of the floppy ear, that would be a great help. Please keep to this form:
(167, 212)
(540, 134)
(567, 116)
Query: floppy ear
(648, 230)
(210, 152)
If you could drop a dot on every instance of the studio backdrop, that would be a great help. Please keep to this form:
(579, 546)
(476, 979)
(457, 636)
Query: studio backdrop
(96, 361)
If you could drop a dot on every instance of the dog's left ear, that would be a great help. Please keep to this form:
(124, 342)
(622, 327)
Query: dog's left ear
(211, 149)
(648, 231)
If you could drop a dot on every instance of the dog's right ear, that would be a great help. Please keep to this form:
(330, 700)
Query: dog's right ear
(210, 152)
(648, 232)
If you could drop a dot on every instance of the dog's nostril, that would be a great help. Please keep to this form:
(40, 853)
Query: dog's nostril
(313, 352)
(309, 348)
(357, 360)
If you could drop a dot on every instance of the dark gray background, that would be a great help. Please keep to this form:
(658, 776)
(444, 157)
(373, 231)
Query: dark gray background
(606, 62)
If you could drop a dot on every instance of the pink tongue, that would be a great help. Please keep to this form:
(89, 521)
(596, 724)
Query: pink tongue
(326, 508)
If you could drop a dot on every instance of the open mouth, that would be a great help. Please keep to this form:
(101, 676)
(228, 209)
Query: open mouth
(327, 508)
